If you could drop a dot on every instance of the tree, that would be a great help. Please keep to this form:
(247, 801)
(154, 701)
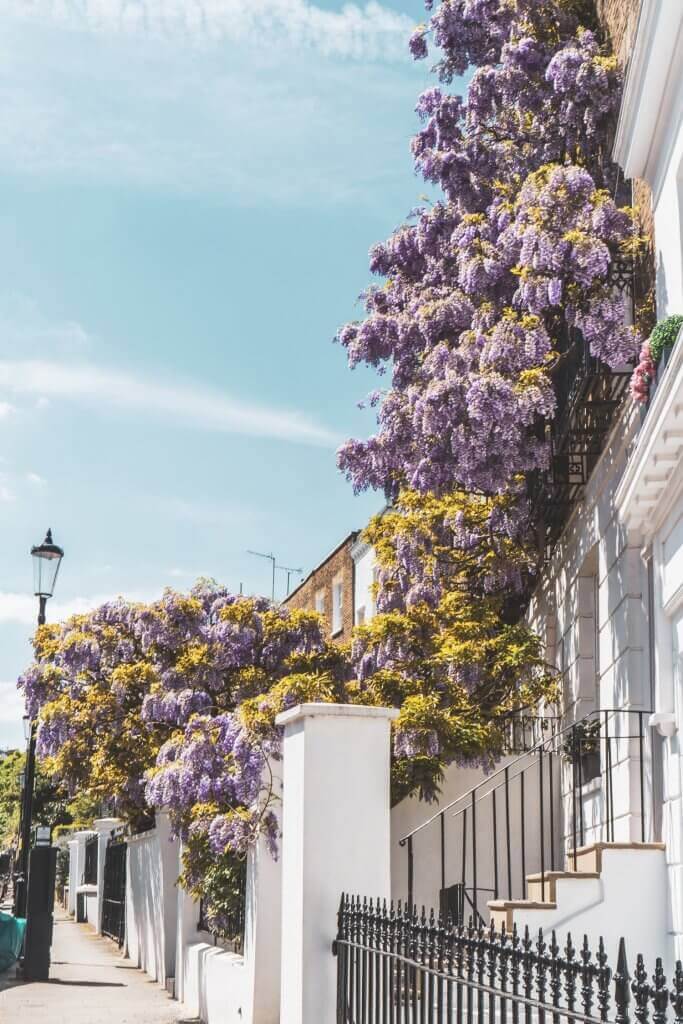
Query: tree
(51, 805)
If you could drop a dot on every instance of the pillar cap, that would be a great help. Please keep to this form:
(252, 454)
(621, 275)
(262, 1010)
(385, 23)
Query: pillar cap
(322, 710)
(106, 824)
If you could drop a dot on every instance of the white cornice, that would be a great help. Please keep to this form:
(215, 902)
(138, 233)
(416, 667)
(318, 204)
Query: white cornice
(359, 548)
(650, 88)
(641, 498)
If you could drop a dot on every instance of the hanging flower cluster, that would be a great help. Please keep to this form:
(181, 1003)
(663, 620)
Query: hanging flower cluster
(488, 287)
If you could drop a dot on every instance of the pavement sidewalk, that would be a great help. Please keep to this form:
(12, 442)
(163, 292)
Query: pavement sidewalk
(90, 983)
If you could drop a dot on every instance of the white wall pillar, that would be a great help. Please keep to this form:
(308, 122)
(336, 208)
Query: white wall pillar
(73, 868)
(76, 865)
(103, 827)
(336, 838)
(187, 916)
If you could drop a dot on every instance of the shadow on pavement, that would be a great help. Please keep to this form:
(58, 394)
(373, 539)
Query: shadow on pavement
(88, 984)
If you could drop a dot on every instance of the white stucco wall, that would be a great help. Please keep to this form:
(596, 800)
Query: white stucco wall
(152, 867)
(223, 987)
(458, 781)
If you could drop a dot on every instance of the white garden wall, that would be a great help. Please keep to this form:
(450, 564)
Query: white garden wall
(152, 868)
(223, 987)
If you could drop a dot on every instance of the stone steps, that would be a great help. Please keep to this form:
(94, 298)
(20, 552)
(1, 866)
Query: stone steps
(568, 888)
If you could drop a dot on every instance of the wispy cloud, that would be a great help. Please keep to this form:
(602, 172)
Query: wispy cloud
(6, 492)
(357, 31)
(11, 703)
(21, 609)
(23, 327)
(36, 479)
(286, 103)
(5, 409)
(177, 403)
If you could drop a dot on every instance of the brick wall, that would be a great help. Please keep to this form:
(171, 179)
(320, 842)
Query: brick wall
(321, 579)
(619, 19)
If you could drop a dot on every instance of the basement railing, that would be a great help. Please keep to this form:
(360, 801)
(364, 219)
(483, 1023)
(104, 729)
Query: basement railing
(394, 967)
(531, 813)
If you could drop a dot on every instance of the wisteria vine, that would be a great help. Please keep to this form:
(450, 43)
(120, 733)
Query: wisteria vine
(142, 705)
(486, 288)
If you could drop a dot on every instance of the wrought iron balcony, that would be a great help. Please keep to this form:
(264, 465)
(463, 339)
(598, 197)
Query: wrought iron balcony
(589, 396)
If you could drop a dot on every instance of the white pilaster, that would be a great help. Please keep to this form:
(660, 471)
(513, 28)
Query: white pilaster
(336, 838)
(76, 865)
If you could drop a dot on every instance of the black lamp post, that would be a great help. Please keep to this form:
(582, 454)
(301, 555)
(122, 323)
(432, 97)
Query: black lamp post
(47, 558)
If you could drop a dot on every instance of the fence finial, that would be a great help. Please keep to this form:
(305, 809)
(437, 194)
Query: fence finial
(622, 995)
(676, 995)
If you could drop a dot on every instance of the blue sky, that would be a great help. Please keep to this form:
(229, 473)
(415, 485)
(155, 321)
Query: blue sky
(188, 191)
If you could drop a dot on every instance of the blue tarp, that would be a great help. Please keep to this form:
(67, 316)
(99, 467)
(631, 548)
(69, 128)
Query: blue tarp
(11, 939)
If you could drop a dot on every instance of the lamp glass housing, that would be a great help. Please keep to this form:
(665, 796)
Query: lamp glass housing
(47, 558)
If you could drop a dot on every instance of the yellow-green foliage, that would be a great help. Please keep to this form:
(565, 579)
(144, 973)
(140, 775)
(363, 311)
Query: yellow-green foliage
(457, 666)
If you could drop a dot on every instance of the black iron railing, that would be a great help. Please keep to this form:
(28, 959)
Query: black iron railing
(589, 395)
(114, 890)
(523, 733)
(231, 924)
(531, 813)
(394, 967)
(90, 864)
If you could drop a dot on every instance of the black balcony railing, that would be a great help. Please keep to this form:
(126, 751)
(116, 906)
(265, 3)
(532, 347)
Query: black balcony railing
(90, 865)
(394, 967)
(589, 395)
(530, 815)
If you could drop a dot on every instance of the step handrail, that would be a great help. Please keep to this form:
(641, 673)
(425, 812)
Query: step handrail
(541, 746)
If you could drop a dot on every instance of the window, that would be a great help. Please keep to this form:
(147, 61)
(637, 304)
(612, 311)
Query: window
(360, 616)
(337, 604)
(320, 601)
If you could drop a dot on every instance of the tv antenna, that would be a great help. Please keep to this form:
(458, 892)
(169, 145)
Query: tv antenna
(288, 569)
(271, 558)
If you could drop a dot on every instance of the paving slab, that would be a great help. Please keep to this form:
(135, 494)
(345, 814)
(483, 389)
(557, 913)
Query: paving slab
(91, 982)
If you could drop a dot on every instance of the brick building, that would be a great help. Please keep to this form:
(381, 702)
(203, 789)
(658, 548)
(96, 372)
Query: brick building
(329, 589)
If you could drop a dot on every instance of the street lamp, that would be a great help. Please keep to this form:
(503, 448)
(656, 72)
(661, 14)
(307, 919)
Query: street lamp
(47, 557)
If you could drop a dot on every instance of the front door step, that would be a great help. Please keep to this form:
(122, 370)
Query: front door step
(502, 911)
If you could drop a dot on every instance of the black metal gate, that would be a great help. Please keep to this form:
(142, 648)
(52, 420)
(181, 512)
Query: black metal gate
(114, 891)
